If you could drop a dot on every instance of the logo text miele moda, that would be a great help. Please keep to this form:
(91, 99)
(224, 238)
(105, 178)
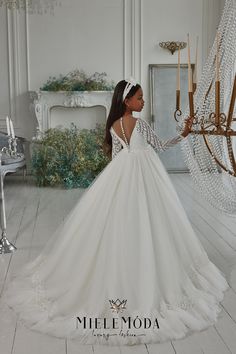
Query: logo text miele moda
(117, 323)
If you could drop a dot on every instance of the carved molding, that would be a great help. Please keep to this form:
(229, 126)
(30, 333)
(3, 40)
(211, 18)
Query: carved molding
(44, 101)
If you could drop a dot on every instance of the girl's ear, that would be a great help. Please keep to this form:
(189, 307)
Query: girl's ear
(126, 102)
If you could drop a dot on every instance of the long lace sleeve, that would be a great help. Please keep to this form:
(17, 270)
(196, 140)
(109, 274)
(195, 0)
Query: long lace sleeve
(116, 145)
(152, 138)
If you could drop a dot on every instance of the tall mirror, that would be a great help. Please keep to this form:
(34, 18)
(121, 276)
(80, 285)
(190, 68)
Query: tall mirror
(163, 101)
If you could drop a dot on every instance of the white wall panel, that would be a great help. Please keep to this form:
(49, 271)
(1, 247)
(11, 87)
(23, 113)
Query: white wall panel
(119, 37)
(84, 34)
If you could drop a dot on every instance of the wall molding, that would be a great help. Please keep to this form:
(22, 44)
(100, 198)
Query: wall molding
(11, 46)
(132, 39)
(18, 71)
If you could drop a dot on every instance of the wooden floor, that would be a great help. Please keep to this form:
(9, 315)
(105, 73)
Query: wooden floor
(33, 214)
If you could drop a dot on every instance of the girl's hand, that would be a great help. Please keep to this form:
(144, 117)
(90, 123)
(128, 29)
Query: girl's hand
(188, 125)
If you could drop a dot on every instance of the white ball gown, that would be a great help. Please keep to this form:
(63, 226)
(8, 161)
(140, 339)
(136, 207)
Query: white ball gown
(126, 266)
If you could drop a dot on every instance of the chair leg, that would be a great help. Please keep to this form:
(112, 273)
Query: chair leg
(5, 245)
(24, 173)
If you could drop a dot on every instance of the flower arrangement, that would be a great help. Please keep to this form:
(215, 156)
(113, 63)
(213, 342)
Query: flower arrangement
(69, 157)
(78, 80)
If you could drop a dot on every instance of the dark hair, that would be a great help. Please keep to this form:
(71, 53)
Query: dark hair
(117, 110)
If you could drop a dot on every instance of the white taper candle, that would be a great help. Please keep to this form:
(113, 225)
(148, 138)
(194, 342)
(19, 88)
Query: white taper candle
(8, 126)
(12, 129)
(190, 83)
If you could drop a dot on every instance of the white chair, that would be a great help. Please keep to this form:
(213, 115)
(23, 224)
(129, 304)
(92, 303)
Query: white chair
(9, 164)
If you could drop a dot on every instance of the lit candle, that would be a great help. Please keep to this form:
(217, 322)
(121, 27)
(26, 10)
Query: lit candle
(196, 62)
(190, 84)
(12, 129)
(217, 57)
(8, 125)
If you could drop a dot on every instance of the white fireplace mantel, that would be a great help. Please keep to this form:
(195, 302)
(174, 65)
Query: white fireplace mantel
(44, 101)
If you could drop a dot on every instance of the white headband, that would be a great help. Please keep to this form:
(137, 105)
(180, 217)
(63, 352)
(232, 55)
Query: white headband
(130, 83)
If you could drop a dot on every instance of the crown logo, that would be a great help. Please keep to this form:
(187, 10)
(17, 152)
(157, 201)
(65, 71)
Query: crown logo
(117, 305)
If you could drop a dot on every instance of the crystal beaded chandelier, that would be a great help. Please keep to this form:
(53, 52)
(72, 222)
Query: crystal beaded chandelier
(210, 149)
(31, 6)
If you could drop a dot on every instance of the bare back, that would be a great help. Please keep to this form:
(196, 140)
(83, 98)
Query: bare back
(128, 125)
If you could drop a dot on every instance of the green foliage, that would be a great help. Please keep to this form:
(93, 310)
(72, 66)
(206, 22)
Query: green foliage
(69, 157)
(77, 80)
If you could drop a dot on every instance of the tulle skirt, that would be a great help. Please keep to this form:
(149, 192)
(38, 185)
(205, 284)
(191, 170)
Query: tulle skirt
(125, 267)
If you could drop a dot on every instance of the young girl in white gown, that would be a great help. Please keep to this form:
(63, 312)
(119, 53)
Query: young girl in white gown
(126, 266)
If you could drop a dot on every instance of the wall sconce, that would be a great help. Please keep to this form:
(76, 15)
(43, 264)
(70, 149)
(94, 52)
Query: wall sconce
(172, 46)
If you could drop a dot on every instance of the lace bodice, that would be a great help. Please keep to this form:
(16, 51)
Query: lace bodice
(148, 137)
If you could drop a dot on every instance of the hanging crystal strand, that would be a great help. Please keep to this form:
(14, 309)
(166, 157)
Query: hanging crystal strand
(215, 184)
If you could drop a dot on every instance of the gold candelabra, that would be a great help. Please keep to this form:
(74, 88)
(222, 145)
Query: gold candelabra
(217, 123)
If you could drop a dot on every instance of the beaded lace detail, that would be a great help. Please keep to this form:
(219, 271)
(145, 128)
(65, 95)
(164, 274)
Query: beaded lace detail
(152, 138)
(185, 302)
(149, 135)
(116, 144)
